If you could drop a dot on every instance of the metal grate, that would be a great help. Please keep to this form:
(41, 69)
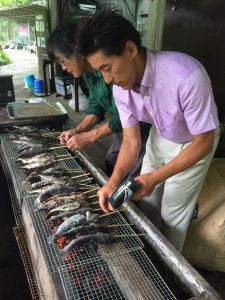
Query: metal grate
(14, 200)
(86, 272)
(93, 280)
(43, 230)
(34, 284)
(52, 254)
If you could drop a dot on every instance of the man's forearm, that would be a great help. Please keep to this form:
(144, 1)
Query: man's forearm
(101, 131)
(86, 124)
(128, 155)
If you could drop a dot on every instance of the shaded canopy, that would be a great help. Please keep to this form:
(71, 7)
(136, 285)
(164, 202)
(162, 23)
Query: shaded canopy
(24, 10)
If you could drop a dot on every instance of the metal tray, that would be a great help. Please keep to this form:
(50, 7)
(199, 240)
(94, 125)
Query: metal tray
(24, 110)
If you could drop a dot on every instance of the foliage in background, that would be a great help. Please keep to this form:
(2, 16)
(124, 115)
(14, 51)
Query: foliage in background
(3, 29)
(4, 58)
(14, 2)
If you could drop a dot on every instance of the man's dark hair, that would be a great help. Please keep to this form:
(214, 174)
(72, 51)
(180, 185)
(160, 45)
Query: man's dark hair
(107, 31)
(63, 39)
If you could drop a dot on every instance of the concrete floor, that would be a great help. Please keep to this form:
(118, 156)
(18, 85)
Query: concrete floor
(25, 63)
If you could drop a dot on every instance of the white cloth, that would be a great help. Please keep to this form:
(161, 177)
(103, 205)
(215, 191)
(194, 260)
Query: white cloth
(175, 198)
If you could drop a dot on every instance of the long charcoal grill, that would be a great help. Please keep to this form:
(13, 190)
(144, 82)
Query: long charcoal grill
(67, 274)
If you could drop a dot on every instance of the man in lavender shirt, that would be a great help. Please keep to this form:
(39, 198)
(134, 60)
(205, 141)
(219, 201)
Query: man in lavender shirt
(173, 92)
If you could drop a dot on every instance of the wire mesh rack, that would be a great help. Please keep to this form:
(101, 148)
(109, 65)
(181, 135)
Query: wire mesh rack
(14, 200)
(44, 229)
(34, 283)
(95, 279)
(86, 272)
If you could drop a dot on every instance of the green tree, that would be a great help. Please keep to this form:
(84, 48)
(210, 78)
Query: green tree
(9, 3)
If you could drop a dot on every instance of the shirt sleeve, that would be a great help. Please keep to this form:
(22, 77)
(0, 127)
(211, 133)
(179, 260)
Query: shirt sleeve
(121, 99)
(94, 108)
(198, 103)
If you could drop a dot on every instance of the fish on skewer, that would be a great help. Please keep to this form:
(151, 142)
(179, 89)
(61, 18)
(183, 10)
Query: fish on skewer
(58, 200)
(29, 152)
(68, 213)
(76, 220)
(19, 138)
(54, 190)
(96, 238)
(56, 211)
(36, 158)
(39, 164)
(81, 230)
(24, 129)
(51, 170)
(25, 145)
(29, 140)
(55, 180)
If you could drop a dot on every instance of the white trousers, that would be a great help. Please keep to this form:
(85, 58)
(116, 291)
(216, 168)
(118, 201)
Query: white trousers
(175, 198)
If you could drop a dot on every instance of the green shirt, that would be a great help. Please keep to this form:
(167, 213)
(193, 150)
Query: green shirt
(101, 100)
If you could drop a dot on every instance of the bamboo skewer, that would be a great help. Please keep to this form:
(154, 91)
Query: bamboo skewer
(50, 133)
(72, 157)
(87, 186)
(75, 170)
(87, 179)
(77, 176)
(56, 147)
(118, 225)
(95, 189)
(128, 235)
(95, 203)
(111, 213)
(92, 196)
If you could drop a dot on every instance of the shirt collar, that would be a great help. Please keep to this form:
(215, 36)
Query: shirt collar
(97, 73)
(149, 73)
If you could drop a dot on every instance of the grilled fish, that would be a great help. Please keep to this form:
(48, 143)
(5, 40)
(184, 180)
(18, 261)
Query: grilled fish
(69, 213)
(96, 238)
(76, 220)
(54, 190)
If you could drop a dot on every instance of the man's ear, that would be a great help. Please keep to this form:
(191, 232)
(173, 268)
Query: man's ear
(131, 48)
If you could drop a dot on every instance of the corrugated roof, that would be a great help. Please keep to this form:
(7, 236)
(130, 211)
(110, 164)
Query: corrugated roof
(23, 10)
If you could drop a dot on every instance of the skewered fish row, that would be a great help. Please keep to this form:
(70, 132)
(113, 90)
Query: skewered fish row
(57, 200)
(41, 160)
(76, 220)
(54, 190)
(79, 222)
(95, 238)
(56, 171)
(49, 180)
(68, 213)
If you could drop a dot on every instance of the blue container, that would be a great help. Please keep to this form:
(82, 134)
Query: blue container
(38, 86)
(29, 81)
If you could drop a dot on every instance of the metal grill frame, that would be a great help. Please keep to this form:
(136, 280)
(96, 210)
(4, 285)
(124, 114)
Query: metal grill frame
(71, 275)
(14, 200)
(33, 280)
(51, 254)
(42, 229)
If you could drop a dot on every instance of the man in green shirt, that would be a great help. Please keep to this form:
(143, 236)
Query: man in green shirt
(62, 48)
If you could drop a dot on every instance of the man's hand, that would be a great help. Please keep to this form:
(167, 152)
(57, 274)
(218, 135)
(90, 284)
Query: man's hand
(66, 135)
(104, 194)
(147, 183)
(79, 140)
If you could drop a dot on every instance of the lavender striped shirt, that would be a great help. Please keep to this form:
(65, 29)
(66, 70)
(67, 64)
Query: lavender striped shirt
(175, 95)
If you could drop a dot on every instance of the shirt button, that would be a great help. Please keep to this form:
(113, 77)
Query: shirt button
(145, 97)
